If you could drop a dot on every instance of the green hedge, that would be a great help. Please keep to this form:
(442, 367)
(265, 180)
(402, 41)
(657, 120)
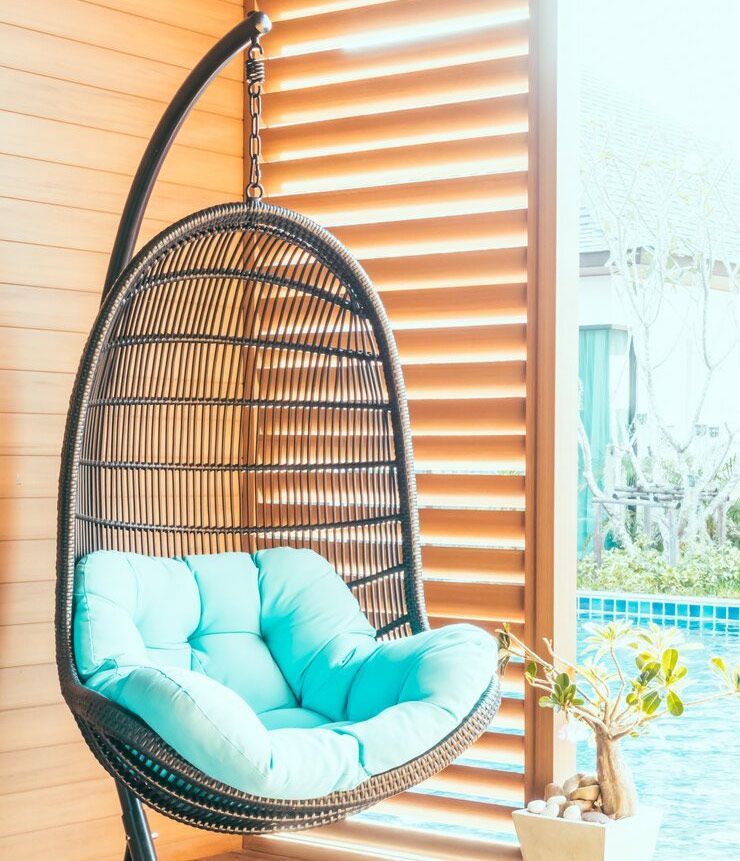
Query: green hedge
(702, 571)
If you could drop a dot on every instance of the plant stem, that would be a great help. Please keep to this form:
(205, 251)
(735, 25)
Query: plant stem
(618, 793)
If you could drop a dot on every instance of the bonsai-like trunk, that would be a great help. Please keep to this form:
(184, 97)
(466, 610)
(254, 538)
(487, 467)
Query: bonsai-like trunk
(618, 793)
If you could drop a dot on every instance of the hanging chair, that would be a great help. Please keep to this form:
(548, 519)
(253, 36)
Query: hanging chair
(240, 390)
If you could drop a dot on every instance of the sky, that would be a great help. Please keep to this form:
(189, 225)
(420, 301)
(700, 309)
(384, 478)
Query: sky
(681, 58)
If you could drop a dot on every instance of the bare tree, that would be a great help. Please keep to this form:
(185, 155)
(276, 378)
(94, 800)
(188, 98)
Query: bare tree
(674, 251)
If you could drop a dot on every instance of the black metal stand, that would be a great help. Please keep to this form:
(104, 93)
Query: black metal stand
(254, 25)
(139, 844)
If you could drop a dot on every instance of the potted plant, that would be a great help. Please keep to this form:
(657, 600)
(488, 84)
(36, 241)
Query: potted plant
(630, 678)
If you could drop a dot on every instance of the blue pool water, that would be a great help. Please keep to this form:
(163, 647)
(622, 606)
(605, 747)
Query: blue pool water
(690, 766)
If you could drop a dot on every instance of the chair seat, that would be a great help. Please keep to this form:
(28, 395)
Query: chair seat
(263, 672)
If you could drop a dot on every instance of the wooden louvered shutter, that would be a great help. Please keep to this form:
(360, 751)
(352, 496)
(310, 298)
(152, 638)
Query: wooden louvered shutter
(406, 128)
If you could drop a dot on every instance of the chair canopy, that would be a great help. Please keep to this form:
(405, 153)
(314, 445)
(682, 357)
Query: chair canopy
(241, 390)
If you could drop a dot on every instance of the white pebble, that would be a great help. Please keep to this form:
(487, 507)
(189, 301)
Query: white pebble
(557, 799)
(537, 806)
(552, 811)
(572, 813)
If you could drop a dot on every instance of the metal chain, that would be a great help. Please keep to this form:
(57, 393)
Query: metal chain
(255, 71)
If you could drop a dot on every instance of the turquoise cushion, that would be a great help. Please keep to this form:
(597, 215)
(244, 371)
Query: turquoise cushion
(263, 672)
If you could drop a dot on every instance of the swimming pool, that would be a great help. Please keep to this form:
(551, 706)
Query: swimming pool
(689, 766)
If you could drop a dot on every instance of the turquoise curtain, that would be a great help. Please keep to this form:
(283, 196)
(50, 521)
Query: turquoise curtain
(593, 371)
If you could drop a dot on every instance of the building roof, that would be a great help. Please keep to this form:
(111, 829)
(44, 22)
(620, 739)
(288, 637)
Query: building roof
(626, 141)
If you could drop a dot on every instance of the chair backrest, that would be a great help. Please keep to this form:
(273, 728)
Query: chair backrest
(240, 390)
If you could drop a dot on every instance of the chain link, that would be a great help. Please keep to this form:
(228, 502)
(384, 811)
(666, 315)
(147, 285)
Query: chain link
(255, 70)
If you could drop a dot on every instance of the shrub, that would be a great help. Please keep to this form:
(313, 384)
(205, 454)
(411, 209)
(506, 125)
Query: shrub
(706, 570)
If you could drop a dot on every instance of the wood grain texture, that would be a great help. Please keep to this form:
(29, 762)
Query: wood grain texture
(82, 86)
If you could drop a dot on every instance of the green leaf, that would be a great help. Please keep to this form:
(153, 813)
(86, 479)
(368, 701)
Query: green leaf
(562, 681)
(669, 661)
(650, 702)
(642, 659)
(547, 703)
(675, 706)
(720, 665)
(680, 672)
(649, 672)
(531, 671)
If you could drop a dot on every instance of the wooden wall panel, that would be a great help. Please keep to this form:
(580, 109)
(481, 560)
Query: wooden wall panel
(82, 85)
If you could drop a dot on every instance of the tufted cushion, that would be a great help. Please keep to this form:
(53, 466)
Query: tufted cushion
(263, 671)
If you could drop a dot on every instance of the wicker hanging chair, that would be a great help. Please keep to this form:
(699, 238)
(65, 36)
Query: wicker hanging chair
(240, 389)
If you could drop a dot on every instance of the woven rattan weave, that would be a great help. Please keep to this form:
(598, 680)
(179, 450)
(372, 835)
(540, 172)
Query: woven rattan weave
(241, 389)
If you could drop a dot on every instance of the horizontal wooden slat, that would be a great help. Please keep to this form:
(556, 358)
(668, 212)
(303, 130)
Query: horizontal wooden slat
(406, 201)
(20, 811)
(492, 117)
(423, 808)
(481, 450)
(69, 102)
(22, 519)
(467, 415)
(498, 747)
(474, 157)
(364, 839)
(113, 30)
(510, 714)
(29, 686)
(500, 602)
(213, 18)
(485, 491)
(462, 269)
(28, 476)
(103, 835)
(474, 526)
(421, 308)
(333, 28)
(455, 233)
(106, 836)
(48, 140)
(462, 343)
(37, 727)
(440, 85)
(34, 392)
(23, 603)
(285, 10)
(22, 561)
(26, 770)
(24, 645)
(21, 264)
(47, 309)
(479, 379)
(474, 563)
(483, 782)
(85, 188)
(29, 434)
(39, 350)
(64, 226)
(377, 61)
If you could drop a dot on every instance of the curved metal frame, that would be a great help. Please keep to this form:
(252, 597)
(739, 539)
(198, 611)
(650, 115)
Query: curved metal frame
(234, 42)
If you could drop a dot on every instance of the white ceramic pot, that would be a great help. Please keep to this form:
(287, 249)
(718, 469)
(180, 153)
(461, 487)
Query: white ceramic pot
(543, 839)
